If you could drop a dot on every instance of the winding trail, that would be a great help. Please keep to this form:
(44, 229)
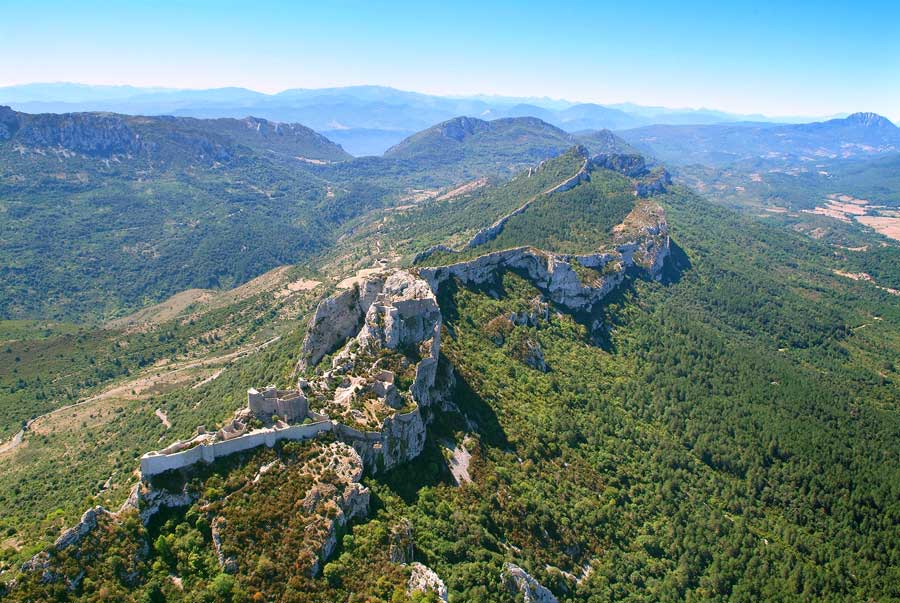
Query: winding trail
(493, 231)
(139, 383)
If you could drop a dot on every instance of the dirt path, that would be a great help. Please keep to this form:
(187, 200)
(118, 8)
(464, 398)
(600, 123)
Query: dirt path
(138, 385)
(161, 415)
(12, 443)
(212, 377)
(863, 276)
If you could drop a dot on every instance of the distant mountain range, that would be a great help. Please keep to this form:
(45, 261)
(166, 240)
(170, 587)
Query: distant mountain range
(860, 134)
(162, 138)
(365, 120)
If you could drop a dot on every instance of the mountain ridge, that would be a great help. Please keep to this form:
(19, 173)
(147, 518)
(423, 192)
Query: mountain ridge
(859, 134)
(107, 133)
(355, 111)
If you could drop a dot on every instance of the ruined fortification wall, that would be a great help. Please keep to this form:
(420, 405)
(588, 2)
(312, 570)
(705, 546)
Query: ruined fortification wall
(154, 463)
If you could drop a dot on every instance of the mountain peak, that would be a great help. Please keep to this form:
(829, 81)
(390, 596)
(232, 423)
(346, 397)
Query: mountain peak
(870, 120)
(459, 128)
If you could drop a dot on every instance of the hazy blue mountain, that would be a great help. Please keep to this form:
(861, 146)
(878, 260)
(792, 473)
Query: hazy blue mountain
(369, 119)
(860, 134)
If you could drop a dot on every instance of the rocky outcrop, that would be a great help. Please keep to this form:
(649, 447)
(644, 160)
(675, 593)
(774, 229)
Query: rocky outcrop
(518, 581)
(400, 542)
(352, 504)
(227, 563)
(84, 527)
(421, 577)
(9, 123)
(339, 503)
(461, 127)
(87, 133)
(400, 439)
(149, 501)
(424, 579)
(641, 241)
(396, 321)
(405, 313)
(654, 183)
(530, 352)
(424, 255)
(631, 165)
(337, 318)
(46, 562)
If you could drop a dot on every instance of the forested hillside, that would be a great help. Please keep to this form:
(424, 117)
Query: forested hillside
(101, 214)
(728, 433)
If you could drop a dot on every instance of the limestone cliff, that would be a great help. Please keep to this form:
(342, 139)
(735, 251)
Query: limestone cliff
(575, 282)
(387, 372)
(337, 318)
(424, 579)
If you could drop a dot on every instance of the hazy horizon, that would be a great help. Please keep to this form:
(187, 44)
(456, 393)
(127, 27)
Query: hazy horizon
(497, 97)
(744, 58)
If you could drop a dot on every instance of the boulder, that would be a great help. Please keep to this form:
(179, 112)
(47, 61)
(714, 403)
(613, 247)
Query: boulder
(424, 579)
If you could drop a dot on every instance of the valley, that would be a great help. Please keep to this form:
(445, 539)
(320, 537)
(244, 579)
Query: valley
(517, 361)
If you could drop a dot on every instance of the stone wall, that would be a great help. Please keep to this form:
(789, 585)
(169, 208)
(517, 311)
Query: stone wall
(154, 463)
(291, 405)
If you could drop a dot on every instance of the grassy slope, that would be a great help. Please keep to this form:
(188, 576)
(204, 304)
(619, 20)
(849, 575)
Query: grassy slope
(579, 220)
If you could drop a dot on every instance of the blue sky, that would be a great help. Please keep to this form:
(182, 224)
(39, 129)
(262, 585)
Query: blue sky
(778, 58)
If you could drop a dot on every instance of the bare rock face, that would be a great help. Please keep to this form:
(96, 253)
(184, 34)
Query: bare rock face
(149, 501)
(653, 183)
(532, 354)
(349, 499)
(405, 313)
(390, 325)
(630, 165)
(88, 133)
(641, 241)
(337, 318)
(228, 564)
(424, 579)
(401, 542)
(84, 527)
(518, 581)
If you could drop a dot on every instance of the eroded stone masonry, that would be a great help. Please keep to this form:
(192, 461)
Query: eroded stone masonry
(371, 398)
